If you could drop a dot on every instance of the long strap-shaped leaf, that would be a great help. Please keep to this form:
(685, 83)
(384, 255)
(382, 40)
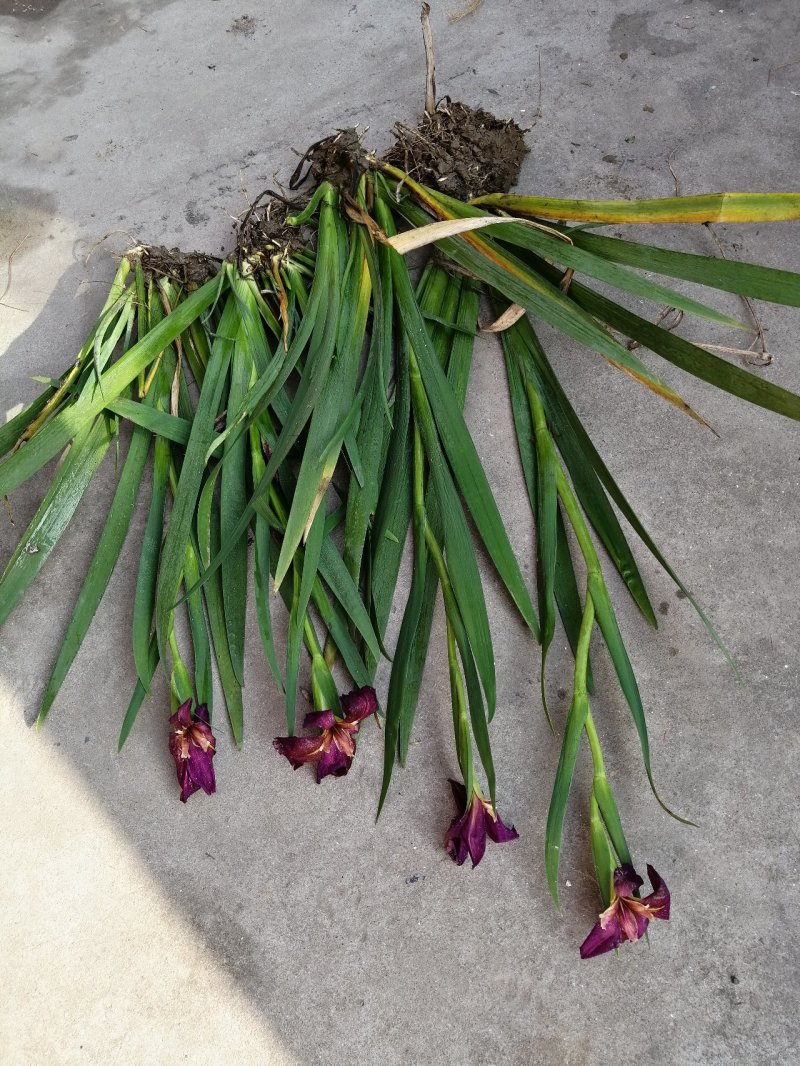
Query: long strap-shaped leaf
(730, 275)
(561, 409)
(457, 300)
(461, 562)
(460, 448)
(184, 504)
(532, 290)
(145, 596)
(321, 350)
(523, 342)
(20, 465)
(334, 403)
(690, 357)
(54, 513)
(570, 746)
(208, 543)
(233, 500)
(710, 207)
(102, 565)
(139, 692)
(566, 585)
(559, 247)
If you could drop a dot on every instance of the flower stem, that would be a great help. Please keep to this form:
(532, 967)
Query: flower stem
(594, 744)
(455, 627)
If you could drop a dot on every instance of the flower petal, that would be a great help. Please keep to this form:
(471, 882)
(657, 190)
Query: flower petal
(601, 940)
(455, 840)
(476, 831)
(201, 736)
(300, 750)
(334, 762)
(188, 786)
(498, 831)
(182, 718)
(632, 922)
(359, 704)
(201, 714)
(626, 880)
(201, 770)
(319, 720)
(658, 901)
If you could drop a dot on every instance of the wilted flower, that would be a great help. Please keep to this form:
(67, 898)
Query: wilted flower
(627, 917)
(192, 746)
(467, 834)
(334, 747)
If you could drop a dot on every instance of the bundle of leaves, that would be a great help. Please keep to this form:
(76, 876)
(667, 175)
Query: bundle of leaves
(300, 406)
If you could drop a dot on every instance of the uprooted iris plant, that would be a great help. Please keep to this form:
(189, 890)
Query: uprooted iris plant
(299, 407)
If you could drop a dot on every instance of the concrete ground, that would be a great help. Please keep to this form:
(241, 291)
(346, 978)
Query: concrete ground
(275, 922)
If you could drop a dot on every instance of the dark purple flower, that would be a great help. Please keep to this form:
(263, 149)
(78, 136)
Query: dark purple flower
(192, 746)
(627, 917)
(467, 834)
(334, 747)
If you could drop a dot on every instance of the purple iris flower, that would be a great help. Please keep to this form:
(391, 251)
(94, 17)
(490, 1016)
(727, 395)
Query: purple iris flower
(627, 917)
(192, 746)
(467, 834)
(334, 747)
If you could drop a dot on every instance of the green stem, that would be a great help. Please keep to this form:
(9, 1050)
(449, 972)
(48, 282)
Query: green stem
(453, 619)
(460, 715)
(578, 522)
(594, 744)
(311, 639)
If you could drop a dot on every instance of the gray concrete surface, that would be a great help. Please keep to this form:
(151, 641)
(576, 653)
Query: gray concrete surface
(276, 923)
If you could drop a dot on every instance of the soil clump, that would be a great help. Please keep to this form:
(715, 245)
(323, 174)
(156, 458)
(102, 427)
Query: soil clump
(188, 269)
(462, 151)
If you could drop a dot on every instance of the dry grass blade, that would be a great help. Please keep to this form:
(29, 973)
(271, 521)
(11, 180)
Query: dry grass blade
(470, 9)
(430, 60)
(413, 239)
(509, 317)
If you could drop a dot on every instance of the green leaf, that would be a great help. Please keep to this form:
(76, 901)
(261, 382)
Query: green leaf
(460, 449)
(203, 681)
(592, 459)
(709, 207)
(233, 500)
(566, 586)
(689, 357)
(532, 290)
(194, 461)
(140, 691)
(461, 562)
(336, 576)
(601, 792)
(102, 566)
(159, 423)
(330, 397)
(261, 567)
(546, 526)
(145, 596)
(573, 731)
(401, 662)
(54, 513)
(606, 620)
(602, 855)
(20, 465)
(744, 279)
(524, 343)
(208, 539)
